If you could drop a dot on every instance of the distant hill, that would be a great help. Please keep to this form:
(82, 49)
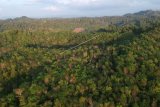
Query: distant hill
(147, 13)
(88, 23)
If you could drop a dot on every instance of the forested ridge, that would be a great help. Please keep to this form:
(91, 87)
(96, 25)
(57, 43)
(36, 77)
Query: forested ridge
(120, 68)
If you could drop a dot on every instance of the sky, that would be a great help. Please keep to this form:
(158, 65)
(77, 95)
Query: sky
(73, 8)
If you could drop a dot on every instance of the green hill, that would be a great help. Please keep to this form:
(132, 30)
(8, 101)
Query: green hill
(119, 68)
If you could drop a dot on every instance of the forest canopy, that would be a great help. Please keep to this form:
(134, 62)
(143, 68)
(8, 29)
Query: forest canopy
(120, 68)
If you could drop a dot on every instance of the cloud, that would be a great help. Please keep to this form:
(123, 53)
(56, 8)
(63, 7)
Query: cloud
(76, 2)
(98, 4)
(34, 1)
(44, 2)
(93, 2)
(52, 8)
(37, 1)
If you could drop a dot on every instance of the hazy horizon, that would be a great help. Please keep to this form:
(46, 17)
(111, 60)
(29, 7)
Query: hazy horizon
(73, 8)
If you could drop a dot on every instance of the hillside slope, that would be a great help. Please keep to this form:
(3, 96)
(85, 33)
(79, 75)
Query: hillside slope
(121, 67)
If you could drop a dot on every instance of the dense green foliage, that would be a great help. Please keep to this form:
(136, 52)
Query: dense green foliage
(120, 68)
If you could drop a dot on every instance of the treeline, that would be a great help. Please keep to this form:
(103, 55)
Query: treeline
(142, 19)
